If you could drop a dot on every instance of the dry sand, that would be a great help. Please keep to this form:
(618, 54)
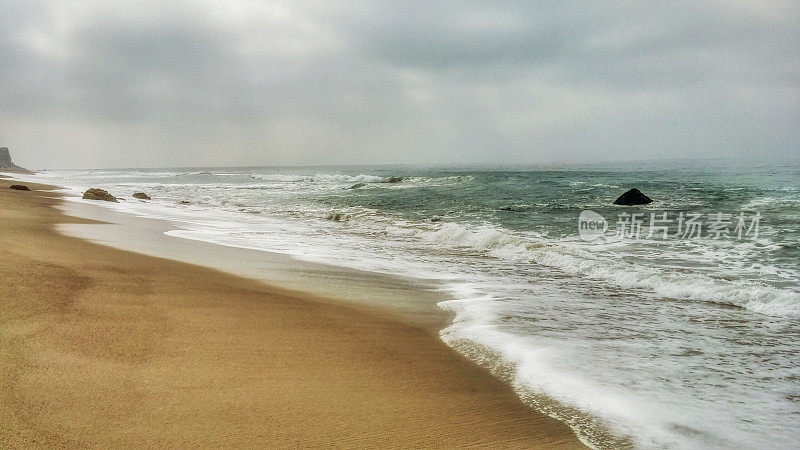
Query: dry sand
(105, 348)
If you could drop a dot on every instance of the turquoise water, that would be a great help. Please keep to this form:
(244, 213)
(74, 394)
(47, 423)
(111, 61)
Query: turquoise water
(654, 342)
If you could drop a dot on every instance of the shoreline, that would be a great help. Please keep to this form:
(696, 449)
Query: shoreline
(412, 302)
(105, 347)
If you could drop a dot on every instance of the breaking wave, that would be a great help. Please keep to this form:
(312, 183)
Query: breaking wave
(576, 258)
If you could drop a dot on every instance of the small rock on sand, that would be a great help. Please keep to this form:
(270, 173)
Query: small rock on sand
(20, 187)
(141, 196)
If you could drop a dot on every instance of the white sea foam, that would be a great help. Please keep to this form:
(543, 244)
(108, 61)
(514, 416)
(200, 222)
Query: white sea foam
(337, 178)
(604, 415)
(579, 259)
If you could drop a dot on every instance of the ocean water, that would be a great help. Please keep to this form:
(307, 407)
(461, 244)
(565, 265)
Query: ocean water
(682, 341)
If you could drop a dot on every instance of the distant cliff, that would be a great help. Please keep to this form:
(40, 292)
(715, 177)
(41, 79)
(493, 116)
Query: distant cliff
(5, 158)
(6, 165)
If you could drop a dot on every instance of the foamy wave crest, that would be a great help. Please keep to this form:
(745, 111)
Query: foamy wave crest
(772, 202)
(531, 372)
(360, 178)
(750, 295)
(579, 259)
(324, 178)
(539, 370)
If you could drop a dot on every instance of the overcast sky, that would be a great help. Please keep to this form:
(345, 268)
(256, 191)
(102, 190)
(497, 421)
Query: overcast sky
(156, 83)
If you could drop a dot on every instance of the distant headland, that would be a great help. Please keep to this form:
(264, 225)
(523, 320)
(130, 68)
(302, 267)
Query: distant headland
(6, 165)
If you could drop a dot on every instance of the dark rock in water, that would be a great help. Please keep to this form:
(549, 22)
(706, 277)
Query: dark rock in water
(336, 217)
(510, 208)
(99, 194)
(20, 187)
(633, 197)
(436, 219)
(394, 179)
(185, 202)
(141, 196)
(357, 186)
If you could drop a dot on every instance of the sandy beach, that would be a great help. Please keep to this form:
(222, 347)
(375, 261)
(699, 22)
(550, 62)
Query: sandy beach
(101, 347)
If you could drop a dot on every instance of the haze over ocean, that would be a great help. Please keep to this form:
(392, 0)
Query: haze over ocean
(210, 83)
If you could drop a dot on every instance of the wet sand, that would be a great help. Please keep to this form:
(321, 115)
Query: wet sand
(103, 347)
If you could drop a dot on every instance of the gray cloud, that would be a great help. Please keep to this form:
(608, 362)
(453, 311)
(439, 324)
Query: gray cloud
(148, 83)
